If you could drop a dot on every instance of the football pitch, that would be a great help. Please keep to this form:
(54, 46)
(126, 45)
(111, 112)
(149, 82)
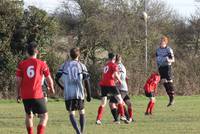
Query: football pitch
(182, 118)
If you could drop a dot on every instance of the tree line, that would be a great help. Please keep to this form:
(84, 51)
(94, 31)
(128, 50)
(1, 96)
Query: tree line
(98, 27)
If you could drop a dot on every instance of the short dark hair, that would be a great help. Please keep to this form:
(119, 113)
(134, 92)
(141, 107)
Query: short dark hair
(31, 47)
(74, 52)
(111, 56)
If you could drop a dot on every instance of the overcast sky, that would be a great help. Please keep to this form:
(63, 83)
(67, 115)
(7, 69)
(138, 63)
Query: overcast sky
(183, 7)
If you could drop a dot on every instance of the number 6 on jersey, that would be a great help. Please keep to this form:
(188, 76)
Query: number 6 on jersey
(30, 71)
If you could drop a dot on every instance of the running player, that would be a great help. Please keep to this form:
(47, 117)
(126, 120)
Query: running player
(29, 88)
(108, 86)
(165, 58)
(123, 88)
(150, 91)
(73, 73)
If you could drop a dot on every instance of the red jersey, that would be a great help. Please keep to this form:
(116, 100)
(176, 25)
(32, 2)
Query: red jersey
(152, 83)
(108, 74)
(31, 71)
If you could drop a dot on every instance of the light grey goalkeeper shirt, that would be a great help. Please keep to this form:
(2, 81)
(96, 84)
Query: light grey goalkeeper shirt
(162, 54)
(73, 74)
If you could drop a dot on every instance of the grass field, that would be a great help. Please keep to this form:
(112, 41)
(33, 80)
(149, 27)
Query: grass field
(182, 118)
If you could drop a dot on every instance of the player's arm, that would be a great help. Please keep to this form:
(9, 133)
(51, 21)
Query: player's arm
(18, 87)
(86, 80)
(57, 79)
(88, 89)
(49, 79)
(171, 58)
(50, 83)
(116, 75)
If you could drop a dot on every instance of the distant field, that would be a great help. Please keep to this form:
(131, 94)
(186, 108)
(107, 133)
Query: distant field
(183, 118)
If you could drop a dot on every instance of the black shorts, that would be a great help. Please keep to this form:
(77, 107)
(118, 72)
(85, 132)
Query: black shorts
(75, 104)
(165, 72)
(35, 105)
(105, 90)
(151, 94)
(124, 95)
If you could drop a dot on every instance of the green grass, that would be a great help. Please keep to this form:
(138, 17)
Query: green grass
(182, 118)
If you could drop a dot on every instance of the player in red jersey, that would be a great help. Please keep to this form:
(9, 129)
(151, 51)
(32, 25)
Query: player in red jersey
(29, 75)
(150, 90)
(108, 86)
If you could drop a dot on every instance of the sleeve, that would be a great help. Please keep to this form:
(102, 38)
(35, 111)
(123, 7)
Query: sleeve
(19, 70)
(171, 53)
(85, 72)
(46, 71)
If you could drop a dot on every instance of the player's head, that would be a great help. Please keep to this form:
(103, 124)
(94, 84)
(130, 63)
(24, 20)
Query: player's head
(111, 56)
(75, 53)
(32, 48)
(118, 58)
(164, 41)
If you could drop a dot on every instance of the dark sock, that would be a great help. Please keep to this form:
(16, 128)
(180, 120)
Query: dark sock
(82, 122)
(74, 123)
(115, 114)
(170, 90)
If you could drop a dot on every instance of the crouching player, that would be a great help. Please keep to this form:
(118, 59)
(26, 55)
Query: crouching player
(150, 91)
(123, 88)
(73, 74)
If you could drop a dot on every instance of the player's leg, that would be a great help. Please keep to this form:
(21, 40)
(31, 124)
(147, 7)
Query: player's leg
(168, 83)
(71, 106)
(114, 110)
(82, 115)
(29, 115)
(104, 92)
(150, 104)
(130, 109)
(117, 94)
(153, 100)
(42, 123)
(41, 110)
(170, 91)
(101, 109)
(74, 122)
(29, 123)
(120, 106)
(149, 95)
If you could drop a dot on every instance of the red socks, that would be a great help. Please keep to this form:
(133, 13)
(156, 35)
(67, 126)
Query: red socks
(150, 107)
(40, 129)
(100, 113)
(121, 109)
(130, 112)
(30, 130)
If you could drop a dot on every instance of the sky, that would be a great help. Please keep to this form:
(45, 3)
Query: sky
(183, 7)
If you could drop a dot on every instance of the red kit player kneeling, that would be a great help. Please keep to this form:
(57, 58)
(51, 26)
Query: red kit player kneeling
(150, 90)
